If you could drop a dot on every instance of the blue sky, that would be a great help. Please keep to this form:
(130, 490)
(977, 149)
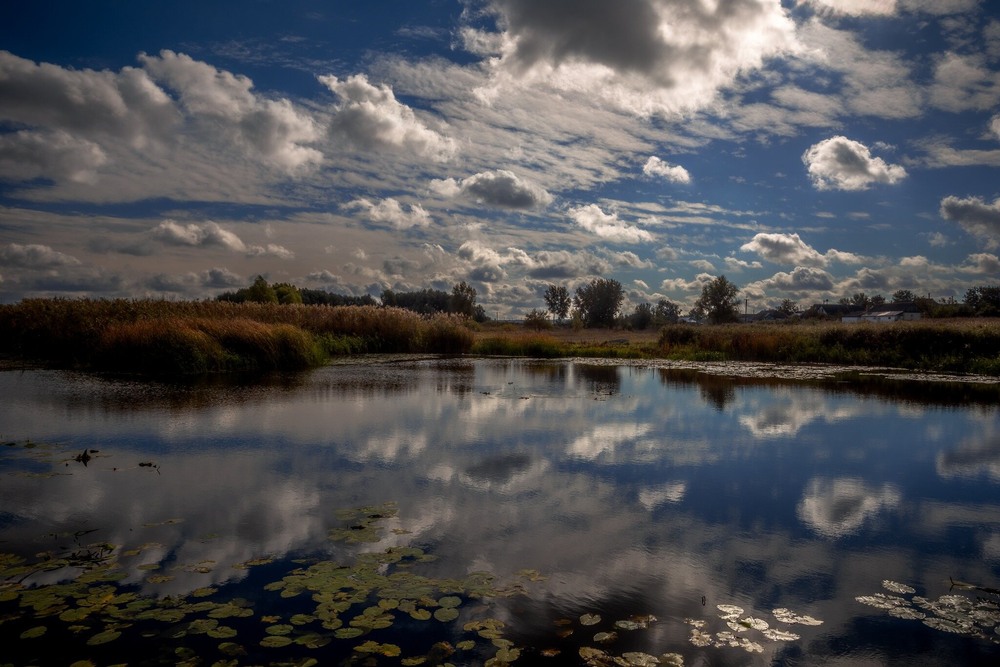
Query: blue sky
(805, 149)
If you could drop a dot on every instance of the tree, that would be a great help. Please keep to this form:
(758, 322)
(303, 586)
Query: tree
(667, 312)
(598, 302)
(558, 301)
(859, 300)
(537, 320)
(718, 301)
(463, 299)
(287, 293)
(788, 307)
(903, 296)
(877, 301)
(984, 300)
(642, 317)
(261, 292)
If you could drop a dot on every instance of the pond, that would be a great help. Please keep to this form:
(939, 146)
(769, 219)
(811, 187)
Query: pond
(405, 511)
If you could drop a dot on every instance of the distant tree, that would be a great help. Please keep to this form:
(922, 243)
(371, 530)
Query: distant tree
(788, 307)
(558, 301)
(903, 296)
(324, 298)
(877, 301)
(463, 299)
(667, 312)
(287, 293)
(859, 300)
(642, 317)
(261, 292)
(598, 302)
(718, 302)
(537, 320)
(984, 300)
(425, 302)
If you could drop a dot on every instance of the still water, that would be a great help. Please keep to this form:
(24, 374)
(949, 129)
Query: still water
(434, 511)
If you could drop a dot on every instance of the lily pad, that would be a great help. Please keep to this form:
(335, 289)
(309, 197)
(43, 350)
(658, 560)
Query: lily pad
(104, 637)
(275, 641)
(590, 619)
(32, 633)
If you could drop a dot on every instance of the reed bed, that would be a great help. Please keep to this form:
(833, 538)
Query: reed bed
(166, 337)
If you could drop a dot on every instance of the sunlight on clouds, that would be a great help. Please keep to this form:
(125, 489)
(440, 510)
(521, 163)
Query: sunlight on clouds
(391, 211)
(495, 188)
(674, 173)
(839, 163)
(607, 225)
(642, 56)
(836, 508)
(974, 216)
(30, 154)
(854, 7)
(371, 117)
(33, 256)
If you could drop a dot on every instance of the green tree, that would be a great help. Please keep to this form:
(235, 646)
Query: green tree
(463, 299)
(984, 300)
(718, 301)
(642, 317)
(537, 320)
(558, 301)
(261, 292)
(667, 312)
(287, 293)
(877, 301)
(788, 307)
(598, 302)
(903, 296)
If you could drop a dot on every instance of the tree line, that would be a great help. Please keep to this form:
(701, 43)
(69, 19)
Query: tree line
(461, 300)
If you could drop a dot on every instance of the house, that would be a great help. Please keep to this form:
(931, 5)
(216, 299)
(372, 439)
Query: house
(899, 311)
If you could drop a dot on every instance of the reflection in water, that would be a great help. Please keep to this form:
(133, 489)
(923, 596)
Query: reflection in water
(632, 491)
(839, 507)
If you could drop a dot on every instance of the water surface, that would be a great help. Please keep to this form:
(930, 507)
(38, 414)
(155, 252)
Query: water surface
(654, 502)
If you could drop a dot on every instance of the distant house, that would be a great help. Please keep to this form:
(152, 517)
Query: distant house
(887, 312)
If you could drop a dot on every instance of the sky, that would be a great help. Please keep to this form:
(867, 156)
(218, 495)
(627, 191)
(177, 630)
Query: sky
(805, 149)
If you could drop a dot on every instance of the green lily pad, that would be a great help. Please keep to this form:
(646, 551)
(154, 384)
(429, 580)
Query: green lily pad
(221, 632)
(275, 641)
(32, 633)
(446, 614)
(104, 637)
(281, 629)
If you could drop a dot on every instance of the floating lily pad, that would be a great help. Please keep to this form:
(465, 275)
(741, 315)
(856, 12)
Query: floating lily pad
(32, 633)
(222, 632)
(275, 641)
(104, 637)
(446, 614)
(590, 619)
(895, 587)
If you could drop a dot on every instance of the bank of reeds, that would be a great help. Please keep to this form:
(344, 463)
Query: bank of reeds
(166, 337)
(954, 346)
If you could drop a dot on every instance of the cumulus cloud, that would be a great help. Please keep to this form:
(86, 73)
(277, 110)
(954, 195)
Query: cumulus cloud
(974, 216)
(55, 154)
(86, 103)
(791, 249)
(273, 129)
(645, 56)
(982, 263)
(801, 279)
(210, 234)
(390, 211)
(370, 117)
(501, 188)
(34, 256)
(964, 82)
(854, 7)
(839, 163)
(674, 173)
(607, 225)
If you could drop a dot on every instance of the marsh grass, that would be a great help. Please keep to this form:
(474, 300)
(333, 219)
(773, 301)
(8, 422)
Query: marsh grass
(165, 337)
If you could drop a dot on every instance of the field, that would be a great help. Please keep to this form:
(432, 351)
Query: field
(147, 337)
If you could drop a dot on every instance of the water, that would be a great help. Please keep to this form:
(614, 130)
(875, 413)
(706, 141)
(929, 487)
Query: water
(647, 496)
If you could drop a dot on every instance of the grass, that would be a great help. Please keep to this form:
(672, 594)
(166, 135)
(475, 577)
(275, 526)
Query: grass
(163, 337)
(167, 338)
(954, 346)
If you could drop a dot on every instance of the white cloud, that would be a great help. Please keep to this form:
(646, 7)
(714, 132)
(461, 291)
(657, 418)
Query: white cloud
(854, 7)
(270, 250)
(995, 125)
(607, 225)
(34, 256)
(389, 210)
(965, 82)
(273, 129)
(496, 188)
(791, 249)
(839, 163)
(193, 234)
(974, 216)
(643, 56)
(982, 263)
(674, 173)
(370, 117)
(801, 279)
(55, 154)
